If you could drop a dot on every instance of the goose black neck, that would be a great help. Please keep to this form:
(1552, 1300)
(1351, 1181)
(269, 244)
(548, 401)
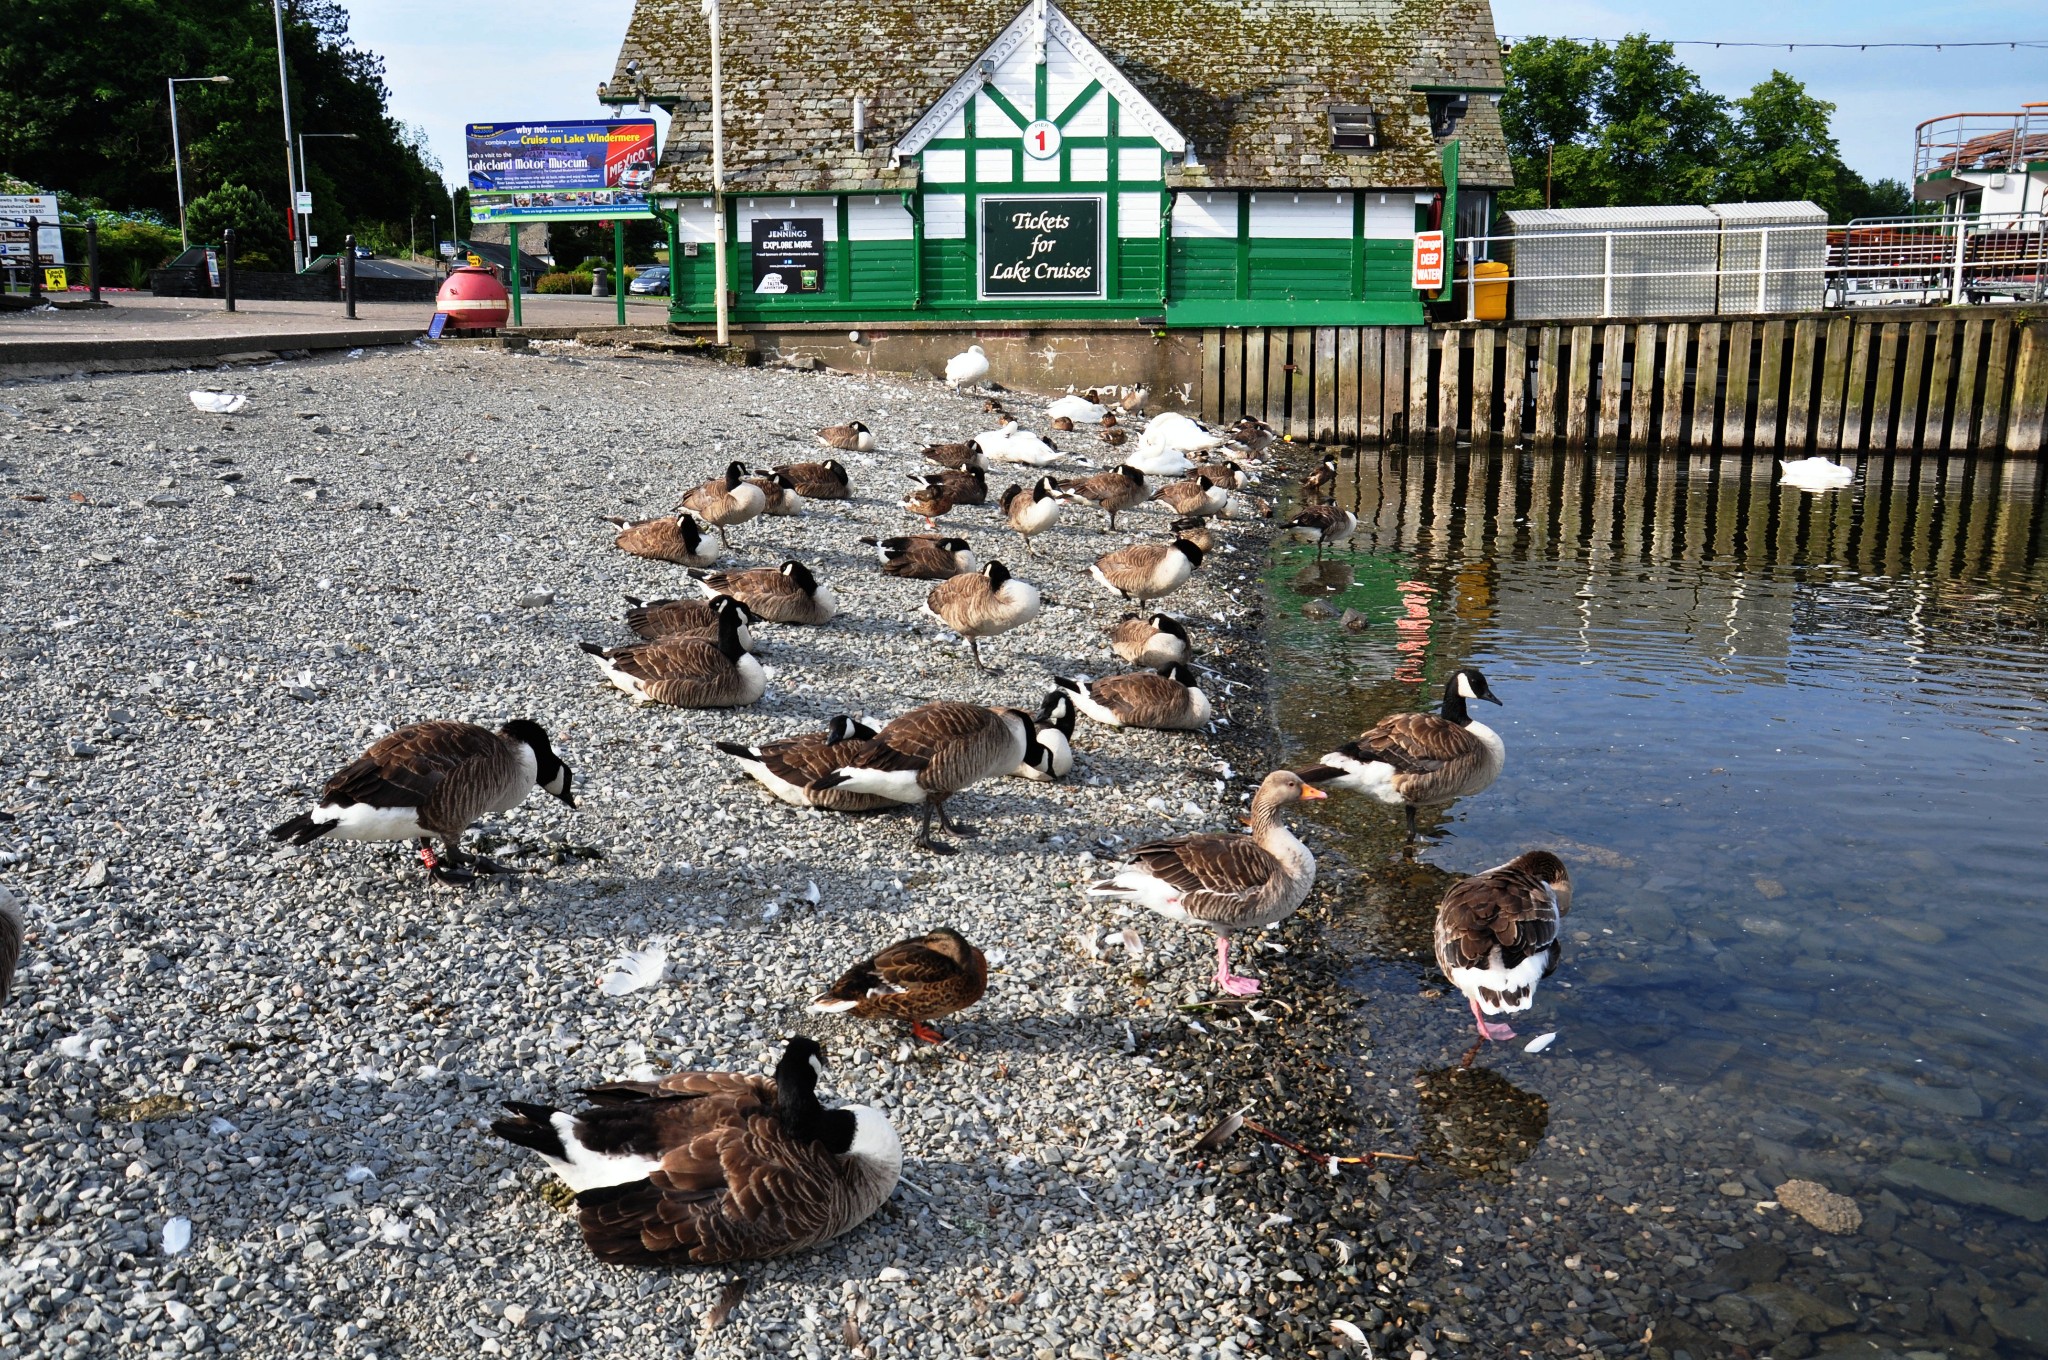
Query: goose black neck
(729, 634)
(805, 1119)
(1454, 704)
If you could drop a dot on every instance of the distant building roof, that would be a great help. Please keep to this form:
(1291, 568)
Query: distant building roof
(1249, 84)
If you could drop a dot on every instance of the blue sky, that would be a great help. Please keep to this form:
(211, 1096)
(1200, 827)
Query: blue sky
(451, 64)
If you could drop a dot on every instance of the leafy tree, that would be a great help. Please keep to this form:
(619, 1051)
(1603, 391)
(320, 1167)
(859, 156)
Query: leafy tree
(1782, 148)
(259, 227)
(1549, 103)
(1658, 131)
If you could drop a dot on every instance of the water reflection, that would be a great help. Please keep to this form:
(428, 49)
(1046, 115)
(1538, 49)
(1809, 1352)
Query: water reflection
(1476, 1122)
(1790, 747)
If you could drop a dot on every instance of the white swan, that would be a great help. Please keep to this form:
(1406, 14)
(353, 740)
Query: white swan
(1815, 474)
(1080, 410)
(968, 368)
(1172, 430)
(1013, 444)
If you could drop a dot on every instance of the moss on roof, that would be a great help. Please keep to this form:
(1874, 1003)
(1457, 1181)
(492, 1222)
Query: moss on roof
(1248, 83)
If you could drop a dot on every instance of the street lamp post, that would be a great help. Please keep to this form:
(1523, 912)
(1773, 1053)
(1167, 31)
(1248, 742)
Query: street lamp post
(718, 172)
(306, 219)
(291, 185)
(177, 153)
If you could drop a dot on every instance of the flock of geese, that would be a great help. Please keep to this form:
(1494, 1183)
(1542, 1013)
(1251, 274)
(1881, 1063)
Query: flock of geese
(717, 1166)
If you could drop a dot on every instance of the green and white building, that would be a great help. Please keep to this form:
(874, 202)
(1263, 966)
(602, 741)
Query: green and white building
(1190, 164)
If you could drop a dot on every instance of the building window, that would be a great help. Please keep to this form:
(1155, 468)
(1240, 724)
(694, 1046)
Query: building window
(1354, 128)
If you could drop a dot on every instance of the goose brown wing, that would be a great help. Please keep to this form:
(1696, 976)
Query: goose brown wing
(673, 670)
(1414, 742)
(1137, 693)
(670, 618)
(963, 592)
(1506, 909)
(1213, 874)
(924, 732)
(405, 768)
(706, 498)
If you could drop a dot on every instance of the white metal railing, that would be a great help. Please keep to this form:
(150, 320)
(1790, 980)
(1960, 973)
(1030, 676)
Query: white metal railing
(1745, 269)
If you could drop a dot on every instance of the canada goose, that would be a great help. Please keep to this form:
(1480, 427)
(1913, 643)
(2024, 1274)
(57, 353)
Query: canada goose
(1159, 640)
(1085, 410)
(966, 369)
(955, 455)
(703, 1167)
(11, 933)
(653, 620)
(1113, 437)
(923, 978)
(923, 557)
(672, 538)
(1193, 496)
(1814, 474)
(929, 502)
(981, 604)
(1054, 727)
(1032, 512)
(933, 752)
(432, 780)
(1321, 482)
(1064, 424)
(778, 492)
(1145, 571)
(784, 594)
(1196, 531)
(1497, 936)
(963, 486)
(1323, 525)
(1014, 444)
(1167, 700)
(1227, 473)
(826, 481)
(789, 768)
(686, 672)
(1113, 491)
(725, 501)
(1227, 883)
(1255, 435)
(854, 437)
(1135, 399)
(1172, 430)
(1418, 760)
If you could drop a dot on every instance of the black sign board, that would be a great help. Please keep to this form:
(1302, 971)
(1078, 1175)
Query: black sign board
(789, 255)
(1041, 247)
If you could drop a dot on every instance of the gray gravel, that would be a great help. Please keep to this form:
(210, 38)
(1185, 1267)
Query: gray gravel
(296, 1050)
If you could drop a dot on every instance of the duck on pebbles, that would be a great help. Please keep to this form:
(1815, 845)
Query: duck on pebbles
(929, 502)
(1166, 700)
(985, 603)
(1417, 760)
(671, 538)
(933, 752)
(826, 481)
(962, 486)
(433, 780)
(1146, 571)
(924, 978)
(923, 557)
(1152, 641)
(703, 1167)
(653, 620)
(1034, 511)
(1231, 884)
(1498, 935)
(686, 672)
(784, 594)
(726, 501)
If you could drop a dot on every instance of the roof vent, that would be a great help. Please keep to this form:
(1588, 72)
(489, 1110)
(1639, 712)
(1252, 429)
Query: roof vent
(1354, 127)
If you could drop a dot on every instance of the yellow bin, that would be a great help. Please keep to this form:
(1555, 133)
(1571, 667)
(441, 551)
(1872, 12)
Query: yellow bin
(1493, 294)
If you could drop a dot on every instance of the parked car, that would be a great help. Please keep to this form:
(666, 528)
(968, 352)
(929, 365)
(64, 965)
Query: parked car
(652, 278)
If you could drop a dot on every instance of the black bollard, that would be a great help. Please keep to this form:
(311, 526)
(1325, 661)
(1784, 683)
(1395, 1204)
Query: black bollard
(35, 264)
(348, 273)
(92, 257)
(227, 266)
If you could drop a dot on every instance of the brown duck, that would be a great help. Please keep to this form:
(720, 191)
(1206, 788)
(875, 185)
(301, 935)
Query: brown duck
(923, 978)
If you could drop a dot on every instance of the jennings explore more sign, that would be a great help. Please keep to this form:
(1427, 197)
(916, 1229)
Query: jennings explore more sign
(1041, 248)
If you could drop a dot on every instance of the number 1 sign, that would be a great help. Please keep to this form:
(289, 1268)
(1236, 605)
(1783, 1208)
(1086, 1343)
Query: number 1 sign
(1042, 140)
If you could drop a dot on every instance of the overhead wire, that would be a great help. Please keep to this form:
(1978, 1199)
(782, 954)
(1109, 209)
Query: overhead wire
(2011, 43)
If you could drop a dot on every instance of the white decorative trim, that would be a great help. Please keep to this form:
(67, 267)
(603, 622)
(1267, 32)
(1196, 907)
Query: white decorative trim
(1138, 111)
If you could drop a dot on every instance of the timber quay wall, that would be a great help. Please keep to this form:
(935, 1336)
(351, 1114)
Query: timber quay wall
(1833, 382)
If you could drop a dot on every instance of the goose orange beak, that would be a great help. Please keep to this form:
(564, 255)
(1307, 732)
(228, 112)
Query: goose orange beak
(1309, 791)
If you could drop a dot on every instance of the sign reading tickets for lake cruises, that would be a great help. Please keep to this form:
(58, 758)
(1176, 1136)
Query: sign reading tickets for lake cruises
(556, 171)
(1041, 247)
(789, 255)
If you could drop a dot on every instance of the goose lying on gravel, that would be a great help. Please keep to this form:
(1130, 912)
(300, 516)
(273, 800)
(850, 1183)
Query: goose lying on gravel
(854, 437)
(1054, 726)
(923, 978)
(923, 557)
(703, 1167)
(1154, 641)
(784, 594)
(1168, 700)
(826, 481)
(672, 538)
(778, 492)
(789, 768)
(1014, 444)
(433, 779)
(1228, 883)
(653, 620)
(686, 672)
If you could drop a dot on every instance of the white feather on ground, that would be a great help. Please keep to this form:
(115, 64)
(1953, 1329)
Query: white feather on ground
(219, 403)
(634, 970)
(177, 1235)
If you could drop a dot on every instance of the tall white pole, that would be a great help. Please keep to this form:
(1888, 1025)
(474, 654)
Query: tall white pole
(177, 159)
(718, 173)
(291, 181)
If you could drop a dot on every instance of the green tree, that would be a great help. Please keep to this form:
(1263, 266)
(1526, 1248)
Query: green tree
(1782, 148)
(1549, 104)
(259, 227)
(1658, 131)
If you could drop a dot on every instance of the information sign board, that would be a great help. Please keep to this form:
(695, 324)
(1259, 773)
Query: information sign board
(789, 255)
(541, 172)
(1042, 247)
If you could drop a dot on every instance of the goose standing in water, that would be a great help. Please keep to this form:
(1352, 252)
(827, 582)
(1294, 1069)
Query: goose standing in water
(1230, 884)
(433, 780)
(704, 1167)
(1418, 760)
(1323, 525)
(1497, 936)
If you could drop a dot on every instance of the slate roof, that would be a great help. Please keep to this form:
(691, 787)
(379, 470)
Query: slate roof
(1249, 83)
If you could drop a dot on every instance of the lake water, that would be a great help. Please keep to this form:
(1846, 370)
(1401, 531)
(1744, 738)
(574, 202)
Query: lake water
(1791, 748)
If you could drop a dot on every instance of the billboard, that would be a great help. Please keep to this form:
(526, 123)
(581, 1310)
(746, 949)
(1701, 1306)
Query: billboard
(560, 171)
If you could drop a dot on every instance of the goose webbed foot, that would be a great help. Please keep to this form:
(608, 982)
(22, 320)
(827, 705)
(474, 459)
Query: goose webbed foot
(1488, 1029)
(924, 839)
(448, 867)
(957, 828)
(925, 1034)
(1226, 981)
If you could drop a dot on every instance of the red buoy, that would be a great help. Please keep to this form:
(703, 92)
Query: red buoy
(474, 299)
